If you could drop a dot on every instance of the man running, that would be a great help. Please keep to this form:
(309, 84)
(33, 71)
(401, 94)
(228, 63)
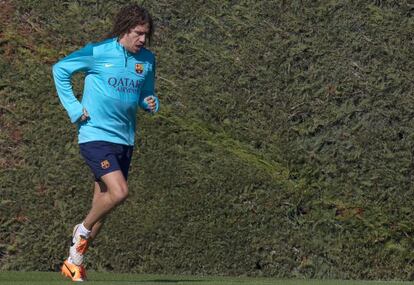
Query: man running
(119, 77)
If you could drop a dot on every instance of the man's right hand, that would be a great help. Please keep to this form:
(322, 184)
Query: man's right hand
(85, 115)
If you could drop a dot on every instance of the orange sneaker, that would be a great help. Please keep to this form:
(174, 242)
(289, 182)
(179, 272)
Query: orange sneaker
(78, 248)
(74, 272)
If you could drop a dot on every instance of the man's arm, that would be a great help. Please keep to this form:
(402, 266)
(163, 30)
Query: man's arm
(80, 60)
(148, 100)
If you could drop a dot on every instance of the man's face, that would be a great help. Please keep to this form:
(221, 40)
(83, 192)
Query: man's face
(135, 39)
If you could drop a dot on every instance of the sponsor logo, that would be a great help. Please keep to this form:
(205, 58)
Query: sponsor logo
(105, 164)
(108, 64)
(139, 68)
(125, 85)
(71, 273)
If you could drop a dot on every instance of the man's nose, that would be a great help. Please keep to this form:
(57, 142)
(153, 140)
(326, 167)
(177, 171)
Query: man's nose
(142, 38)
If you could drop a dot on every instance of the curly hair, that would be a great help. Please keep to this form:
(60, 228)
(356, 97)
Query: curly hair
(128, 18)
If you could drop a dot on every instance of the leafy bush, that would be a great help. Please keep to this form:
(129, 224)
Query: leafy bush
(283, 147)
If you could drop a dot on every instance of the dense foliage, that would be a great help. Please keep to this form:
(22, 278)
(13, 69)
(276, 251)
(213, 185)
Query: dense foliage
(284, 146)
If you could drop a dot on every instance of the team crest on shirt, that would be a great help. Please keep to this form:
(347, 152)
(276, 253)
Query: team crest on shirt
(105, 164)
(139, 68)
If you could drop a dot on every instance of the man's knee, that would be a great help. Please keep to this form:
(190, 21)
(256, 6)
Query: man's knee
(117, 187)
(119, 193)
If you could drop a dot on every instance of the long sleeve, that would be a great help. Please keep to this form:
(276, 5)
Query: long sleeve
(148, 89)
(81, 60)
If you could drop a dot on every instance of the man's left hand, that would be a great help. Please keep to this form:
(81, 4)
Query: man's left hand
(152, 104)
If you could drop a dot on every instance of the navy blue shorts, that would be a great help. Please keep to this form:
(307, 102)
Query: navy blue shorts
(105, 157)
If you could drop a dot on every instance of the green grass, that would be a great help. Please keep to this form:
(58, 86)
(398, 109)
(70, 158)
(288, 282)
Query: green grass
(17, 278)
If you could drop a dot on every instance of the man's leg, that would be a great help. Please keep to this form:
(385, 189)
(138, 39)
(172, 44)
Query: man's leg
(107, 195)
(99, 190)
(116, 191)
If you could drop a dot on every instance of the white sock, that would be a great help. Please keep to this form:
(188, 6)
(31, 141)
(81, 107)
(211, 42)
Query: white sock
(81, 230)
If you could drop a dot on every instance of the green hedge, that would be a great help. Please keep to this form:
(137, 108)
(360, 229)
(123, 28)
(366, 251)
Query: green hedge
(283, 146)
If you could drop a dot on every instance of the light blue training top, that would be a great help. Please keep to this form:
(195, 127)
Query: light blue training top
(116, 83)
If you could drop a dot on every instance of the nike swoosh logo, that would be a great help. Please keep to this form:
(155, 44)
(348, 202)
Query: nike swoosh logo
(71, 273)
(108, 65)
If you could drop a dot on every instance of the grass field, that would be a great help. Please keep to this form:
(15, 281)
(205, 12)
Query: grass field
(38, 278)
